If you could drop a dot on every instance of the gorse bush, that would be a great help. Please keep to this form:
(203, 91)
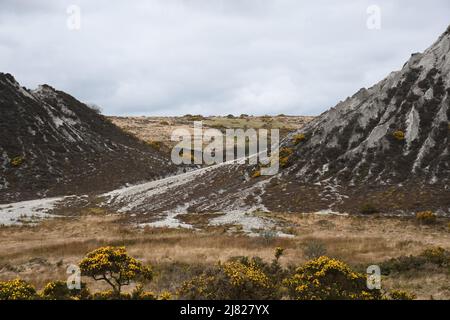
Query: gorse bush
(329, 279)
(110, 295)
(17, 161)
(285, 156)
(17, 290)
(114, 266)
(58, 290)
(399, 135)
(273, 270)
(239, 278)
(232, 280)
(426, 217)
(296, 139)
(140, 294)
(401, 295)
(256, 174)
(438, 256)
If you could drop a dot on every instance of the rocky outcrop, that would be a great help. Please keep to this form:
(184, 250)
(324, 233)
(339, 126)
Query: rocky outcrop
(394, 132)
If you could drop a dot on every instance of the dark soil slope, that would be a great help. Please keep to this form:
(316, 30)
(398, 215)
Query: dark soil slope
(52, 144)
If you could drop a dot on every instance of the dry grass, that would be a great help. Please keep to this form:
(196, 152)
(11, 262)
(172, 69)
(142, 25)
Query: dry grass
(42, 253)
(159, 129)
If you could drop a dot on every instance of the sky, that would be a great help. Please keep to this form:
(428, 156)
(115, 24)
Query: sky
(213, 57)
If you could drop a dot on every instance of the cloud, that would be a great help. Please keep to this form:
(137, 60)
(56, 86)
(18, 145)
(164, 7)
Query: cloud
(171, 57)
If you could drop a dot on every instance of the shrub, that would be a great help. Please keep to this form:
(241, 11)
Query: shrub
(58, 290)
(273, 270)
(232, 280)
(16, 290)
(401, 295)
(328, 279)
(111, 295)
(165, 296)
(434, 256)
(399, 135)
(157, 145)
(368, 208)
(278, 252)
(139, 294)
(426, 217)
(285, 155)
(256, 174)
(298, 138)
(17, 161)
(314, 249)
(114, 266)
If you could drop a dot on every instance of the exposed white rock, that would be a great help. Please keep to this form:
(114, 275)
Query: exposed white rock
(27, 211)
(413, 125)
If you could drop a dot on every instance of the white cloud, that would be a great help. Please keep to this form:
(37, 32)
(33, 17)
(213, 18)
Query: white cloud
(213, 56)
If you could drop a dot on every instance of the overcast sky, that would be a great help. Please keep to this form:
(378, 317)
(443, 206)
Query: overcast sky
(173, 57)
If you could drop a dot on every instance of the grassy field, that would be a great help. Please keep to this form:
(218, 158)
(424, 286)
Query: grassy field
(42, 253)
(158, 130)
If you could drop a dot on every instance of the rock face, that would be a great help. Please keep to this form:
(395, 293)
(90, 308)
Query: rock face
(396, 131)
(52, 144)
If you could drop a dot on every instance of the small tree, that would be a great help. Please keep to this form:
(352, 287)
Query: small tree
(114, 266)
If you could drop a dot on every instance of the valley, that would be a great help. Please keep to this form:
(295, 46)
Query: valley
(365, 183)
